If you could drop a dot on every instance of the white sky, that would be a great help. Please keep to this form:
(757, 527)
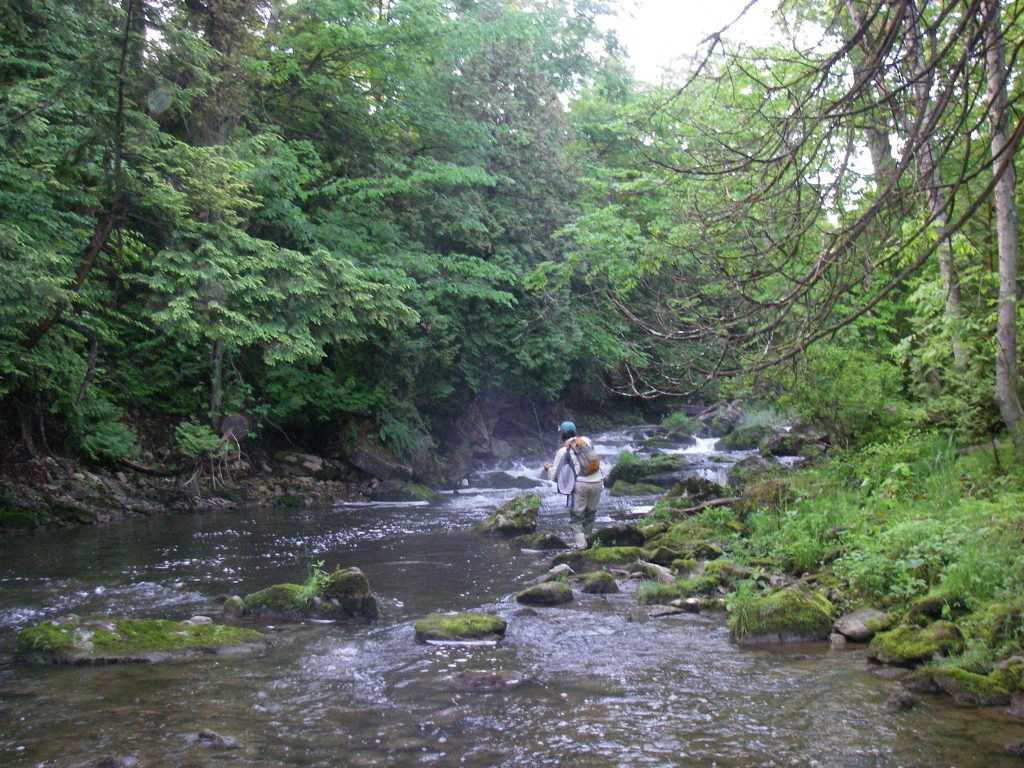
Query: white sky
(656, 33)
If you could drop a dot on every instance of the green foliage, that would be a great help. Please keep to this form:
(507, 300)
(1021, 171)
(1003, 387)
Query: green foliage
(315, 583)
(197, 441)
(853, 395)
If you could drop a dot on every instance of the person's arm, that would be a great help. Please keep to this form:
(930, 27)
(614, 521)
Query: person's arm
(550, 468)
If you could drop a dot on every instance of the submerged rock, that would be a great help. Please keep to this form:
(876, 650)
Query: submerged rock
(108, 640)
(908, 646)
(516, 516)
(344, 594)
(541, 542)
(791, 615)
(484, 681)
(547, 594)
(460, 627)
(596, 557)
(213, 740)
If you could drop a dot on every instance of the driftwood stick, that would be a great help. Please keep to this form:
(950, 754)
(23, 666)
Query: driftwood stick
(723, 502)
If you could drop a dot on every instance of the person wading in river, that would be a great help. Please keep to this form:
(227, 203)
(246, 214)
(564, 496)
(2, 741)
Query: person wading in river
(582, 480)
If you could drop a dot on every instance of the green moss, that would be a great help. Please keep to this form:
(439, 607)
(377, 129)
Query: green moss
(912, 645)
(284, 598)
(622, 488)
(345, 593)
(725, 571)
(598, 583)
(547, 594)
(99, 639)
(745, 438)
(634, 470)
(516, 516)
(679, 589)
(454, 627)
(794, 614)
(683, 565)
(972, 689)
(590, 559)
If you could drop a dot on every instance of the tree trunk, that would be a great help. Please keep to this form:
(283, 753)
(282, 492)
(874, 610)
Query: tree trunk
(930, 174)
(216, 384)
(1007, 379)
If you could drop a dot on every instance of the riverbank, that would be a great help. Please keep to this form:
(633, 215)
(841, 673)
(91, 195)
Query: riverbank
(921, 530)
(47, 492)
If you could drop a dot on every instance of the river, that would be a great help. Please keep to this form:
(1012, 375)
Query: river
(596, 687)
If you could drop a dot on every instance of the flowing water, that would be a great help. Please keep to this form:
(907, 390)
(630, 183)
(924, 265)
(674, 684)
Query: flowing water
(588, 684)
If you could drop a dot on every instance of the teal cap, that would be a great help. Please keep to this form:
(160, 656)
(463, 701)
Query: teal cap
(566, 426)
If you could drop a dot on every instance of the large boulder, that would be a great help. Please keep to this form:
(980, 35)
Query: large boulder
(791, 615)
(460, 627)
(696, 489)
(862, 625)
(549, 593)
(109, 640)
(345, 593)
(661, 471)
(910, 645)
(745, 438)
(402, 491)
(375, 459)
(515, 517)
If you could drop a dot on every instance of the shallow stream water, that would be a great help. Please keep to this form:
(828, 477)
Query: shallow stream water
(594, 686)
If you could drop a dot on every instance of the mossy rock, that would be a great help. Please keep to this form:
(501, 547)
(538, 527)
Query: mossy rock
(862, 625)
(704, 550)
(696, 489)
(652, 572)
(771, 494)
(622, 488)
(618, 536)
(1001, 627)
(936, 605)
(598, 583)
(460, 627)
(597, 557)
(908, 646)
(791, 615)
(107, 640)
(662, 594)
(549, 593)
(631, 469)
(685, 565)
(665, 556)
(972, 689)
(753, 469)
(726, 571)
(515, 517)
(745, 438)
(542, 542)
(345, 594)
(400, 490)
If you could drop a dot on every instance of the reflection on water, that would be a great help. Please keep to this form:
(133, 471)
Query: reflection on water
(582, 685)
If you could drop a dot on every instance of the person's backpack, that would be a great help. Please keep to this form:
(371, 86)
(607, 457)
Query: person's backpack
(585, 454)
